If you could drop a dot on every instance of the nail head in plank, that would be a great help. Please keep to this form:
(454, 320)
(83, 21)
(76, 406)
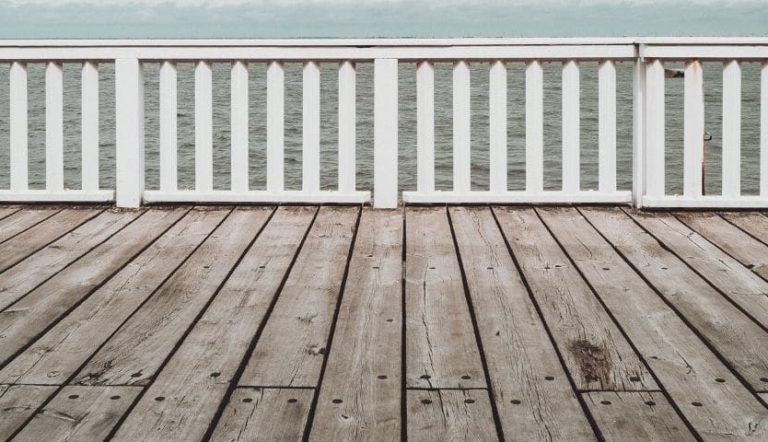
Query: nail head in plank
(364, 364)
(196, 378)
(441, 347)
(292, 346)
(134, 353)
(593, 349)
(736, 337)
(636, 416)
(441, 415)
(18, 403)
(737, 282)
(80, 413)
(264, 414)
(516, 345)
(56, 356)
(684, 365)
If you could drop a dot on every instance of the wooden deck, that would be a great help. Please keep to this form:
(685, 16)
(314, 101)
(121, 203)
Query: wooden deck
(341, 323)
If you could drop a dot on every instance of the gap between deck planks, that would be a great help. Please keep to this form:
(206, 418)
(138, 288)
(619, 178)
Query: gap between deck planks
(194, 369)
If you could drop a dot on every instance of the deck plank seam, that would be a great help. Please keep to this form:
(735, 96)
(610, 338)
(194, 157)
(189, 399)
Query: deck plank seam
(476, 329)
(13, 210)
(403, 337)
(699, 274)
(677, 216)
(65, 384)
(762, 214)
(610, 314)
(41, 247)
(329, 346)
(31, 226)
(569, 376)
(682, 317)
(194, 321)
(234, 382)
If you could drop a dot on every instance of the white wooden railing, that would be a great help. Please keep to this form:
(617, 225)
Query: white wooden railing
(648, 177)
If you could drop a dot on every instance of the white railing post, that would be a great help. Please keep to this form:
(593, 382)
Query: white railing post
(571, 127)
(638, 131)
(607, 124)
(497, 122)
(239, 126)
(129, 132)
(693, 129)
(534, 127)
(54, 127)
(385, 133)
(654, 130)
(425, 127)
(764, 130)
(19, 128)
(347, 127)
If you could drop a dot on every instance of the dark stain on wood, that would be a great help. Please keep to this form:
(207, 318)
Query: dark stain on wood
(595, 361)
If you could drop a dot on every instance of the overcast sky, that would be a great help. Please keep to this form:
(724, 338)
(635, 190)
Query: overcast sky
(373, 18)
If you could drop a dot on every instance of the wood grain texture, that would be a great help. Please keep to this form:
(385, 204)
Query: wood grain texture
(79, 413)
(517, 349)
(364, 363)
(441, 347)
(5, 212)
(292, 346)
(22, 220)
(265, 414)
(747, 250)
(593, 349)
(737, 338)
(18, 403)
(636, 416)
(197, 376)
(684, 365)
(23, 321)
(450, 416)
(134, 353)
(56, 356)
(754, 223)
(737, 282)
(36, 269)
(37, 236)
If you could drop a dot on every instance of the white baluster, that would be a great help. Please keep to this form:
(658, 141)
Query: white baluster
(239, 126)
(203, 127)
(497, 120)
(732, 129)
(693, 129)
(638, 132)
(655, 129)
(54, 127)
(90, 126)
(311, 129)
(275, 126)
(607, 124)
(385, 133)
(534, 127)
(571, 127)
(129, 132)
(19, 128)
(347, 127)
(764, 130)
(168, 126)
(425, 127)
(461, 128)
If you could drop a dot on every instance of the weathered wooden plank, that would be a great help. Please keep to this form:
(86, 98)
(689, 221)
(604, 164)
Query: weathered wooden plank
(441, 347)
(291, 347)
(636, 416)
(754, 223)
(450, 415)
(364, 363)
(25, 276)
(265, 414)
(56, 356)
(737, 282)
(37, 236)
(734, 241)
(79, 413)
(684, 365)
(136, 351)
(22, 322)
(592, 347)
(740, 340)
(517, 349)
(195, 380)
(5, 212)
(18, 403)
(23, 220)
